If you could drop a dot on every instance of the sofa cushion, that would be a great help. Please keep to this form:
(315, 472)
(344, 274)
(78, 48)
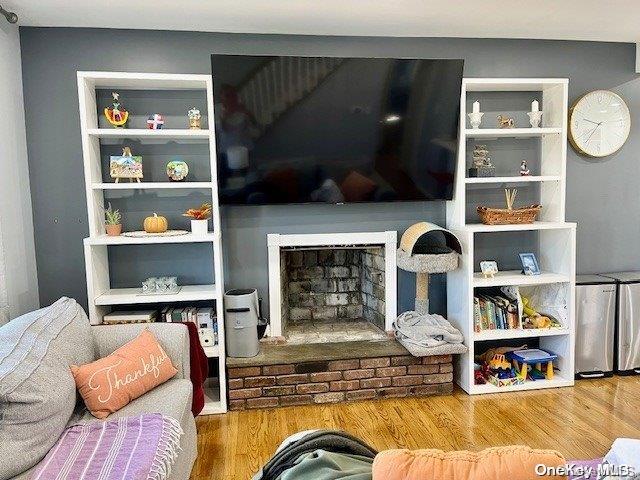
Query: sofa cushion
(110, 383)
(37, 390)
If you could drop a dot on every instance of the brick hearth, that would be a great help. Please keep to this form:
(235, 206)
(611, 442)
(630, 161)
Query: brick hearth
(337, 380)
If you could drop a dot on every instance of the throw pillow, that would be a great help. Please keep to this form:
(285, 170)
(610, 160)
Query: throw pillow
(110, 383)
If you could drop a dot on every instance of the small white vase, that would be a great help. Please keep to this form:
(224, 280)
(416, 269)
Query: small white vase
(475, 119)
(199, 227)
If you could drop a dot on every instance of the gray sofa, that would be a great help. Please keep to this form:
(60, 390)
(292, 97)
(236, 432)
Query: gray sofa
(37, 392)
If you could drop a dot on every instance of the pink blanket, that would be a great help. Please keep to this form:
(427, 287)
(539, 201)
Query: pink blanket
(129, 448)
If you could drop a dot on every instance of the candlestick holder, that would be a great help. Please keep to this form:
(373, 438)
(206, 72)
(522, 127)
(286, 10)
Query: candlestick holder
(534, 118)
(475, 118)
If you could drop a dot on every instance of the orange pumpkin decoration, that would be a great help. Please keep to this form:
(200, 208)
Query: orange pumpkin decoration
(155, 224)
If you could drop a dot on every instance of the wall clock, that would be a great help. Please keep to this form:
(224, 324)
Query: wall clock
(599, 123)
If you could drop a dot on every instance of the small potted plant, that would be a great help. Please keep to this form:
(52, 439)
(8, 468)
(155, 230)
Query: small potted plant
(199, 218)
(113, 222)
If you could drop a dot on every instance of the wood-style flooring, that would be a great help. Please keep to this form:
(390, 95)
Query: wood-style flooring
(580, 422)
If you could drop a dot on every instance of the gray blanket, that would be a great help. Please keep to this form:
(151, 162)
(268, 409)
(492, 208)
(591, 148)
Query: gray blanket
(428, 334)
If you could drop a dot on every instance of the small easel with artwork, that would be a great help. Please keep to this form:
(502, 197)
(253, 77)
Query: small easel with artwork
(126, 166)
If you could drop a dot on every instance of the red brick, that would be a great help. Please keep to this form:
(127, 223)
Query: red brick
(277, 391)
(393, 392)
(325, 376)
(344, 365)
(235, 383)
(296, 400)
(262, 402)
(405, 360)
(259, 382)
(391, 371)
(244, 372)
(278, 369)
(236, 404)
(375, 362)
(342, 385)
(438, 378)
(446, 367)
(312, 388)
(356, 374)
(407, 380)
(436, 359)
(330, 397)
(422, 369)
(435, 389)
(375, 382)
(361, 395)
(244, 393)
(292, 379)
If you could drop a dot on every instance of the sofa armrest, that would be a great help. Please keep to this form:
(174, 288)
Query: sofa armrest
(174, 338)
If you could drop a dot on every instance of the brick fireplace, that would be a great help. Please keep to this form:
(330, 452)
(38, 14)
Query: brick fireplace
(332, 288)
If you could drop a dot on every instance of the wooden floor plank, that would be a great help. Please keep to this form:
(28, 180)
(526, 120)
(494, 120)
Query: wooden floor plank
(580, 422)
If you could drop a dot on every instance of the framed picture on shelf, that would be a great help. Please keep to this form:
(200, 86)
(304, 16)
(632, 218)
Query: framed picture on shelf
(488, 268)
(529, 264)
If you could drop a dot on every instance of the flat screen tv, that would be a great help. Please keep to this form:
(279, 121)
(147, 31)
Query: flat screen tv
(335, 130)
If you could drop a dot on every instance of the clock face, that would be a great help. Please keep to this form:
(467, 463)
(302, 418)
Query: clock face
(599, 123)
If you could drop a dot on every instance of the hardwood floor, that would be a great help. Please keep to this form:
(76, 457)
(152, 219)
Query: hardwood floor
(580, 422)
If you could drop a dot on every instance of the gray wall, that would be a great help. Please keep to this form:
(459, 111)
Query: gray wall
(601, 195)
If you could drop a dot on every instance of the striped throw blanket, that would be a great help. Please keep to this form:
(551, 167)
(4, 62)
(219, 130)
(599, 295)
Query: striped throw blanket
(129, 448)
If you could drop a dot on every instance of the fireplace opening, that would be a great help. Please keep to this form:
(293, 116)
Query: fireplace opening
(333, 294)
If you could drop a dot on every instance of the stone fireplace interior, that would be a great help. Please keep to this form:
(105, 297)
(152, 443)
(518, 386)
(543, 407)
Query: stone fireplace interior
(333, 294)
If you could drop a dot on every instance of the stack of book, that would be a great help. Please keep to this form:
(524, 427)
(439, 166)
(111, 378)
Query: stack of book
(493, 310)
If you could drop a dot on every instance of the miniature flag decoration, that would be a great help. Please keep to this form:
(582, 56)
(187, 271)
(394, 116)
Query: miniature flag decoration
(155, 121)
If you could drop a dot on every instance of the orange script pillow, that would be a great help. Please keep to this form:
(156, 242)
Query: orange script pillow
(110, 383)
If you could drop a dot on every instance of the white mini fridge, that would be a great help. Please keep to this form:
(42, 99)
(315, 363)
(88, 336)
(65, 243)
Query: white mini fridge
(595, 326)
(628, 322)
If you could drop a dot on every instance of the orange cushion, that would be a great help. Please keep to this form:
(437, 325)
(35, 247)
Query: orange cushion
(110, 383)
(513, 462)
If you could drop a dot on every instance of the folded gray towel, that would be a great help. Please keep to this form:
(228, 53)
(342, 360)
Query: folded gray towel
(428, 334)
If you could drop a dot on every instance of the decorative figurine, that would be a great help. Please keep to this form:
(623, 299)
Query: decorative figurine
(535, 115)
(475, 117)
(505, 122)
(155, 122)
(125, 166)
(177, 170)
(482, 166)
(194, 118)
(488, 268)
(116, 114)
(524, 170)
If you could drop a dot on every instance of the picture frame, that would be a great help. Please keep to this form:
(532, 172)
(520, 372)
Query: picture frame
(529, 264)
(489, 268)
(125, 166)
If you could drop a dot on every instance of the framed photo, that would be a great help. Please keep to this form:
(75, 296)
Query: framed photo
(529, 264)
(125, 166)
(488, 268)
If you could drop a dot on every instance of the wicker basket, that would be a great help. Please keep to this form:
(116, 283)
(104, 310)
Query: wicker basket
(505, 216)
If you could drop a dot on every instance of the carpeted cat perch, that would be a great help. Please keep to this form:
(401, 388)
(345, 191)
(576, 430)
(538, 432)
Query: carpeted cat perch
(426, 248)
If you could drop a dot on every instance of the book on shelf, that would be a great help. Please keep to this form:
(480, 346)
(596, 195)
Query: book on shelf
(493, 310)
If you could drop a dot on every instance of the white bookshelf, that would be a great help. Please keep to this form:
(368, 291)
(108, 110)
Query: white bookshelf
(101, 297)
(554, 237)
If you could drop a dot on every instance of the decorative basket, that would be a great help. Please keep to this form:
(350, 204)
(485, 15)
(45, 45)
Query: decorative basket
(505, 216)
(509, 215)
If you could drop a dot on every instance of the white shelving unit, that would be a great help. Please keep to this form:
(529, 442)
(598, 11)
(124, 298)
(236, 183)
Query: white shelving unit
(100, 294)
(555, 238)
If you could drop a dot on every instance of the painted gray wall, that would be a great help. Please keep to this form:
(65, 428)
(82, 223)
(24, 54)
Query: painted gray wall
(601, 195)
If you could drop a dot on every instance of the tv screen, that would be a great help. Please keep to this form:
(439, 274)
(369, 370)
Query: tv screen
(335, 130)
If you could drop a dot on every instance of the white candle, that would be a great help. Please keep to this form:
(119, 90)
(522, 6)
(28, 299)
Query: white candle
(476, 107)
(535, 106)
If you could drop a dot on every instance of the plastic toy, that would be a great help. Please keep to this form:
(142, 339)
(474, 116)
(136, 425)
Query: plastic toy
(522, 359)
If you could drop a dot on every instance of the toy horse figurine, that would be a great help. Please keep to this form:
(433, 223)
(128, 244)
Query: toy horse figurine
(505, 122)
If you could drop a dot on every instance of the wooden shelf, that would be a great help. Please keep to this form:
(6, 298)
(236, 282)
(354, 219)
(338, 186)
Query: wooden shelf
(152, 186)
(212, 352)
(512, 84)
(130, 296)
(481, 227)
(510, 132)
(499, 334)
(145, 81)
(524, 179)
(122, 240)
(142, 133)
(514, 277)
(557, 381)
(212, 403)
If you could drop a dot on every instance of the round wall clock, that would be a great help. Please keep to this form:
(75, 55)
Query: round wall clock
(599, 123)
